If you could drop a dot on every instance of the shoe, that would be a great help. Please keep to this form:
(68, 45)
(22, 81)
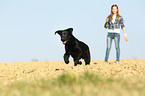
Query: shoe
(117, 62)
(106, 62)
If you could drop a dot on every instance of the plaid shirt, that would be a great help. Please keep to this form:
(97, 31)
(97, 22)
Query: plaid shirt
(116, 24)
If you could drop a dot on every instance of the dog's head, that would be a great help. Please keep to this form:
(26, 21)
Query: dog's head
(65, 34)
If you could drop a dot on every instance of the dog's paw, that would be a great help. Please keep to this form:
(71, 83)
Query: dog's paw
(87, 64)
(80, 62)
(66, 62)
(75, 64)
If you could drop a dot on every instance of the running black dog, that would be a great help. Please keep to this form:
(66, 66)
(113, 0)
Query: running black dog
(77, 49)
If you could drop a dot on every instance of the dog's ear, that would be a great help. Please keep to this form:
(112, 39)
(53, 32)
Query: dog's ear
(70, 30)
(59, 32)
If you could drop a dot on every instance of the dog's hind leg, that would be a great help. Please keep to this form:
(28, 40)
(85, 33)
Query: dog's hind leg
(87, 61)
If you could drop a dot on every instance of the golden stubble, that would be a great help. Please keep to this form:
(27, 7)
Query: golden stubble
(18, 71)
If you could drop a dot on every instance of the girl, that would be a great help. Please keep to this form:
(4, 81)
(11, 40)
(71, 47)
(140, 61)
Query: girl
(113, 23)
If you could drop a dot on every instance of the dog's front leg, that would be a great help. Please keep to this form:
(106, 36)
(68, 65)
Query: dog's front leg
(78, 57)
(66, 58)
(76, 61)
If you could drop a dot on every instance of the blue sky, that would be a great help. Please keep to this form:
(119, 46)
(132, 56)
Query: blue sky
(27, 28)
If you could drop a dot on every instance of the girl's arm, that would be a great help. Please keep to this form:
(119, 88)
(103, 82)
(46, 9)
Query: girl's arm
(106, 24)
(125, 35)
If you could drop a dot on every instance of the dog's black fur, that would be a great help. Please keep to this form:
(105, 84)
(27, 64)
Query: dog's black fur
(77, 49)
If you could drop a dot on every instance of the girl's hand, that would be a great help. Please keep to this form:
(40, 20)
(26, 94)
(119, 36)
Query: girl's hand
(125, 37)
(107, 20)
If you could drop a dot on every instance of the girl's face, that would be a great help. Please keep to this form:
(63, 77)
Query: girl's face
(114, 10)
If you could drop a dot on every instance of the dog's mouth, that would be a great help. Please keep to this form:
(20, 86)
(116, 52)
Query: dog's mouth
(64, 42)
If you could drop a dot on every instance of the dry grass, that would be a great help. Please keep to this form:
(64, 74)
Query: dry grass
(55, 78)
(51, 69)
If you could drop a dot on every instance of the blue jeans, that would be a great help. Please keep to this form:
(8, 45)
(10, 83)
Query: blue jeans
(110, 37)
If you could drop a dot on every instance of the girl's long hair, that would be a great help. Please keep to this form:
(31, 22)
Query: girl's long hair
(111, 15)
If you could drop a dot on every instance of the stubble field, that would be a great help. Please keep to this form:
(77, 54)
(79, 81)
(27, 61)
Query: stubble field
(55, 78)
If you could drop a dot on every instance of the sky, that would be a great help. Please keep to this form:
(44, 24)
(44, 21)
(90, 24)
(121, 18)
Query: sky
(27, 28)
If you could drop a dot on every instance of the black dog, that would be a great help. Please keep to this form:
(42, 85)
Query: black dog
(77, 49)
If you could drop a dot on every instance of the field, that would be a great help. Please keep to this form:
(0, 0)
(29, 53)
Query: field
(55, 78)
